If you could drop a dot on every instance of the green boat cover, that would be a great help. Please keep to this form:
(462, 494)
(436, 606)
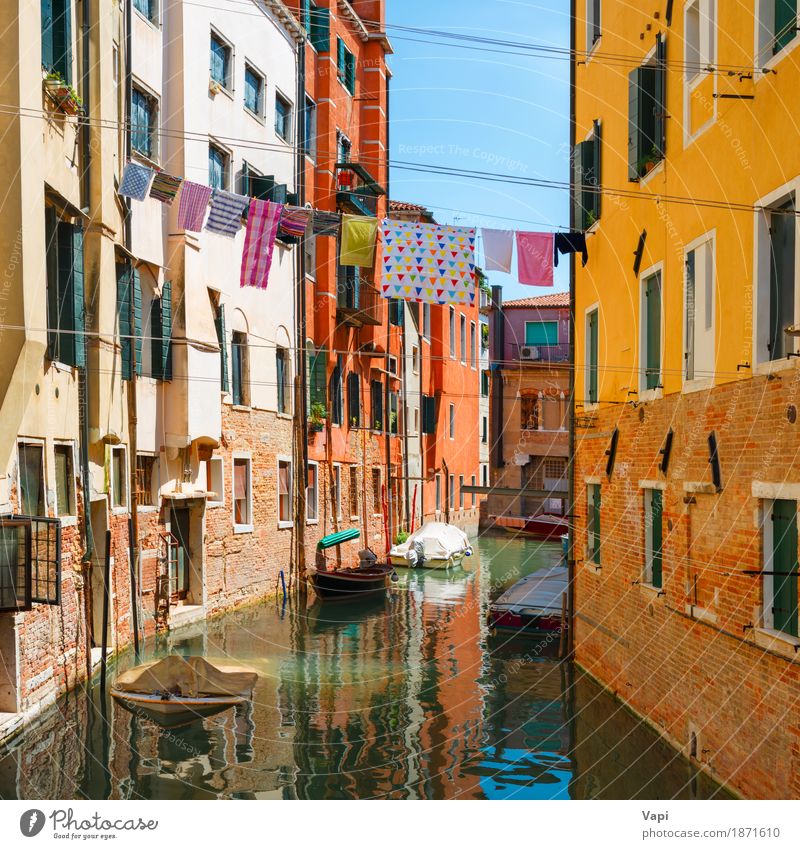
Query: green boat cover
(334, 539)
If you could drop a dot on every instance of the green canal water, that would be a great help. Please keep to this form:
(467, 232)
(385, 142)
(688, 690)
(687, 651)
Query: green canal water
(407, 696)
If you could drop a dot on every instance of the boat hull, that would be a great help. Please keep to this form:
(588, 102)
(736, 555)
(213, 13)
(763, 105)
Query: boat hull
(176, 710)
(351, 583)
(542, 527)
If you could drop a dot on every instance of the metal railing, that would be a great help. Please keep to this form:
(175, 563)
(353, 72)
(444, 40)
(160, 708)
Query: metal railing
(543, 353)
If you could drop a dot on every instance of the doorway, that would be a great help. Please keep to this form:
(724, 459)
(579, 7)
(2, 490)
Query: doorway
(180, 525)
(99, 512)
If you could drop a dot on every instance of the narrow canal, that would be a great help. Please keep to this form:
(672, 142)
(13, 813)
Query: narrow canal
(404, 697)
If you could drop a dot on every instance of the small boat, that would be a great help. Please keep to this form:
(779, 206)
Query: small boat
(368, 578)
(544, 526)
(177, 690)
(534, 603)
(435, 545)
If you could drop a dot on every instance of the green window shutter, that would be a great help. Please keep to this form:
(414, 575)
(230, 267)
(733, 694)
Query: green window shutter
(320, 35)
(634, 123)
(781, 290)
(124, 317)
(353, 399)
(785, 24)
(396, 312)
(596, 505)
(377, 405)
(137, 318)
(784, 559)
(78, 302)
(279, 193)
(428, 414)
(237, 372)
(660, 97)
(597, 180)
(59, 35)
(653, 331)
(47, 33)
(222, 339)
(51, 236)
(260, 187)
(161, 333)
(541, 333)
(319, 377)
(65, 298)
(341, 59)
(583, 181)
(657, 532)
(350, 72)
(592, 347)
(305, 14)
(690, 315)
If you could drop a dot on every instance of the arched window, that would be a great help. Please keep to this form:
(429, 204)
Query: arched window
(337, 401)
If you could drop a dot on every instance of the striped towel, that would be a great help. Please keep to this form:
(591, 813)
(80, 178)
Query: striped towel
(295, 221)
(192, 206)
(326, 223)
(259, 241)
(226, 213)
(165, 187)
(135, 181)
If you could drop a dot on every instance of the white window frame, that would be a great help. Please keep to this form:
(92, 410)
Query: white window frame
(218, 463)
(646, 394)
(764, 24)
(244, 527)
(69, 444)
(337, 489)
(41, 444)
(315, 521)
(451, 419)
(587, 405)
(462, 337)
(117, 509)
(288, 139)
(703, 54)
(461, 492)
(426, 322)
(284, 523)
(438, 491)
(647, 572)
(591, 45)
(229, 85)
(452, 320)
(708, 242)
(257, 72)
(473, 345)
(414, 359)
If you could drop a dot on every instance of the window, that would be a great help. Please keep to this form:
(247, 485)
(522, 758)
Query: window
(485, 384)
(452, 420)
(285, 513)
(30, 563)
(222, 340)
(529, 412)
(282, 379)
(346, 66)
(461, 492)
(593, 523)
(396, 312)
(218, 167)
(65, 480)
(414, 359)
(31, 479)
(353, 492)
(143, 112)
(337, 392)
(780, 558)
(452, 333)
(428, 414)
(777, 26)
(242, 494)
(343, 147)
(310, 129)
(147, 8)
(426, 320)
(312, 493)
(463, 338)
(484, 429)
(337, 490)
(472, 482)
(646, 114)
(416, 420)
(593, 31)
(651, 331)
(591, 356)
(239, 369)
(319, 29)
(354, 399)
(215, 480)
(57, 37)
(377, 494)
(472, 346)
(161, 334)
(438, 493)
(283, 117)
(220, 61)
(541, 333)
(253, 91)
(376, 393)
(698, 304)
(586, 179)
(699, 38)
(394, 413)
(484, 474)
(781, 279)
(119, 478)
(65, 291)
(145, 480)
(129, 318)
(653, 532)
(451, 490)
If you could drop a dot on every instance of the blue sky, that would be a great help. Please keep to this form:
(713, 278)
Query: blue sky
(482, 111)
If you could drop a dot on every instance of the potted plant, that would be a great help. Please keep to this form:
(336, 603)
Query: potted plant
(484, 337)
(393, 422)
(316, 417)
(62, 94)
(647, 163)
(400, 537)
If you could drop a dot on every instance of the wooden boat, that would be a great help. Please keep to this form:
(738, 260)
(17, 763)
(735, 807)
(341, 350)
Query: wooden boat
(533, 604)
(177, 690)
(368, 578)
(546, 526)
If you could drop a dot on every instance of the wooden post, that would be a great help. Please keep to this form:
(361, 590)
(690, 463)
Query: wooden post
(134, 592)
(106, 601)
(562, 641)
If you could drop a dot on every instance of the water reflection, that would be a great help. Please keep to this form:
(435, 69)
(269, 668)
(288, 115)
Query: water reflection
(406, 696)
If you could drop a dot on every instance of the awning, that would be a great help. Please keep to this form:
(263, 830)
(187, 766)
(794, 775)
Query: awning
(336, 539)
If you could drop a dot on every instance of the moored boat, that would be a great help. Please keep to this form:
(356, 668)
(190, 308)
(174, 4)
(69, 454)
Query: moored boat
(532, 604)
(368, 578)
(435, 545)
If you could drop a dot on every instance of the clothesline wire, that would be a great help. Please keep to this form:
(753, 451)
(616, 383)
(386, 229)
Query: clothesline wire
(475, 174)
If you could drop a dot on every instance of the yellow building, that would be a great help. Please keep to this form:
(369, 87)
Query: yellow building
(686, 481)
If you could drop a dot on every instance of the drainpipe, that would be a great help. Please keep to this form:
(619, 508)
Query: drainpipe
(571, 475)
(387, 413)
(497, 354)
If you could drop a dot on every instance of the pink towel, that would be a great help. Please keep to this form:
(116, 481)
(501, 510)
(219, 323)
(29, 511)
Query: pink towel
(535, 258)
(498, 247)
(192, 206)
(259, 241)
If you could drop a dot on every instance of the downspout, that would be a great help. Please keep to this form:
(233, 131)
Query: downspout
(571, 461)
(387, 413)
(497, 356)
(300, 324)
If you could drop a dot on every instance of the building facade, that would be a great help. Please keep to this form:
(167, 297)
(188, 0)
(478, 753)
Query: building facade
(530, 365)
(686, 492)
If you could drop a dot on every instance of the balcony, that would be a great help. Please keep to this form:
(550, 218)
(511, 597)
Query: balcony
(484, 301)
(356, 190)
(543, 353)
(358, 302)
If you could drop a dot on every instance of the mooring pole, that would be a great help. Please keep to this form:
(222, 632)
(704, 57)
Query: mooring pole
(106, 600)
(134, 586)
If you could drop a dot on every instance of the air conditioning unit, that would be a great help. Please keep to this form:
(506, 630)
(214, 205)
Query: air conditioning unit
(530, 352)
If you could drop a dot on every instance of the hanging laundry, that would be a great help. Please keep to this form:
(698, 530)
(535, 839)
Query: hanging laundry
(192, 206)
(263, 220)
(165, 187)
(358, 240)
(571, 243)
(535, 258)
(136, 181)
(325, 223)
(498, 247)
(294, 221)
(428, 262)
(226, 213)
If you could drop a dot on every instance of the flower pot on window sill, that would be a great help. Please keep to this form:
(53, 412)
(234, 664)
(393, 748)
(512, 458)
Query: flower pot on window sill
(316, 427)
(214, 88)
(63, 96)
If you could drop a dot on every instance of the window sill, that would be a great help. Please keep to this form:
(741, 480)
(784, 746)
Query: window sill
(241, 408)
(223, 89)
(243, 529)
(156, 25)
(646, 395)
(777, 641)
(702, 614)
(774, 60)
(282, 526)
(652, 590)
(354, 518)
(146, 508)
(698, 385)
(119, 511)
(594, 568)
(659, 169)
(255, 116)
(771, 366)
(68, 521)
(312, 521)
(286, 416)
(210, 504)
(144, 159)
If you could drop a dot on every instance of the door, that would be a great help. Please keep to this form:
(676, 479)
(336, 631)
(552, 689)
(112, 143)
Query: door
(784, 564)
(653, 331)
(179, 565)
(656, 536)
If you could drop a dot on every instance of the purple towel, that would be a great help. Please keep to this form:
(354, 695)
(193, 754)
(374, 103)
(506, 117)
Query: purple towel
(192, 206)
(262, 228)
